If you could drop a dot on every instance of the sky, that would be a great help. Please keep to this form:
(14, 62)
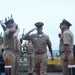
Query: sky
(51, 12)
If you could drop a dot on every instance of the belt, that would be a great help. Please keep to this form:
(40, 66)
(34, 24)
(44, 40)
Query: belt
(39, 52)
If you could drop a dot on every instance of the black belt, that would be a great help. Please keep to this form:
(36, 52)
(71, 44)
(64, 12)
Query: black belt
(39, 52)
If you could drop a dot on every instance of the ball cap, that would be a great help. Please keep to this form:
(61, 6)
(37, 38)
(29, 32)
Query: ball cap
(9, 21)
(64, 21)
(39, 24)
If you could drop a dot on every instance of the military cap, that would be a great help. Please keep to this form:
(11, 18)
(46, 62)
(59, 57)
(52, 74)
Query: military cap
(9, 21)
(61, 23)
(39, 24)
(64, 21)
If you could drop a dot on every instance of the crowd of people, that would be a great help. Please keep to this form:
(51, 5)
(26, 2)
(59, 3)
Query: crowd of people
(36, 47)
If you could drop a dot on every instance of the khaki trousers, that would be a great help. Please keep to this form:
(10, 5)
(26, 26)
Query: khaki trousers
(14, 61)
(30, 61)
(64, 64)
(40, 61)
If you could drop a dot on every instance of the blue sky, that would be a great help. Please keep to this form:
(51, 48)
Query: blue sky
(50, 12)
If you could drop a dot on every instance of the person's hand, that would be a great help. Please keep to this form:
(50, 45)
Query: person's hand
(16, 33)
(65, 58)
(59, 35)
(33, 29)
(52, 58)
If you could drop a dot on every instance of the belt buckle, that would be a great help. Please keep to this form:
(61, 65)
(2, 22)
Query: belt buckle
(39, 52)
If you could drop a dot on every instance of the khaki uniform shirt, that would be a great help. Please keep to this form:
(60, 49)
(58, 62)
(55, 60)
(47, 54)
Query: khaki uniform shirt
(66, 38)
(29, 48)
(11, 43)
(40, 42)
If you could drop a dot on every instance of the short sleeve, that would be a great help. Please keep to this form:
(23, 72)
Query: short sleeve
(66, 38)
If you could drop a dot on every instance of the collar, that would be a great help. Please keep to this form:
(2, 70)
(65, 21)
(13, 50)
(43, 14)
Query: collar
(40, 35)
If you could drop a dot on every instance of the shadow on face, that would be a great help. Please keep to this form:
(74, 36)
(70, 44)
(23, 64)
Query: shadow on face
(39, 30)
(62, 27)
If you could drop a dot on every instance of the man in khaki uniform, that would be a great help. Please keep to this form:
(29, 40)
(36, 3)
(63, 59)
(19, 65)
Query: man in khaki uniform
(30, 56)
(12, 45)
(66, 45)
(40, 41)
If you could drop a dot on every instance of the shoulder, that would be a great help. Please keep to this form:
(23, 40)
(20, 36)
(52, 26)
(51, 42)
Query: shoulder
(32, 35)
(45, 35)
(68, 32)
